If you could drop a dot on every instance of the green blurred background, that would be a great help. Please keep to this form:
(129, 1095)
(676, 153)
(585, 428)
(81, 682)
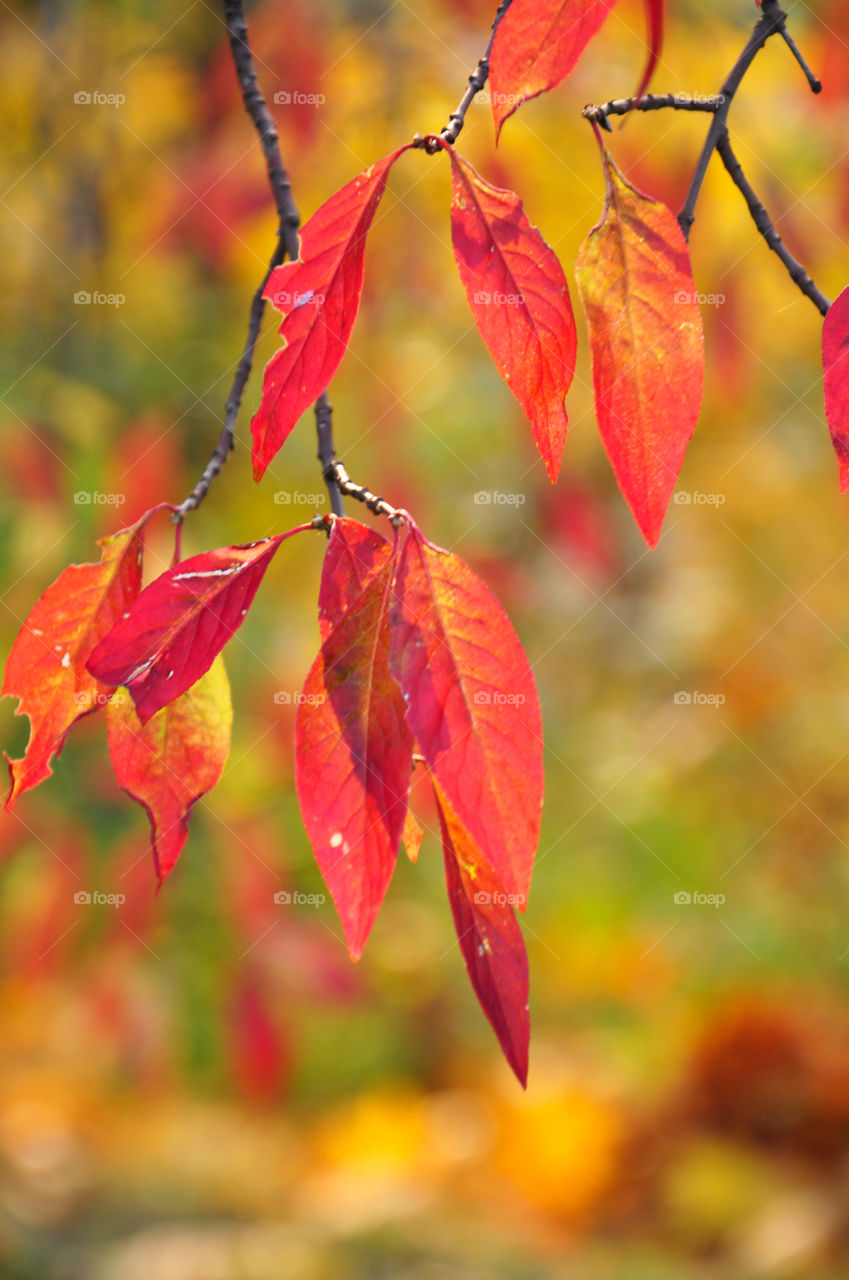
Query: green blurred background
(199, 1085)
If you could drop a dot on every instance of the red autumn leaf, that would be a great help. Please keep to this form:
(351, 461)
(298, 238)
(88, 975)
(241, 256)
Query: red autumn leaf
(355, 555)
(412, 836)
(647, 346)
(174, 759)
(519, 299)
(354, 754)
(490, 938)
(46, 669)
(172, 633)
(654, 29)
(536, 45)
(319, 296)
(835, 360)
(471, 703)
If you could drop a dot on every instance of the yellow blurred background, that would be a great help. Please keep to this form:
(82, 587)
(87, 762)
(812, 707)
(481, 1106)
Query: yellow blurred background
(199, 1085)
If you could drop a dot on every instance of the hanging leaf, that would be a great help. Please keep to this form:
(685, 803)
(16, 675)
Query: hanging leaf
(471, 704)
(168, 763)
(412, 836)
(519, 299)
(354, 752)
(536, 45)
(319, 296)
(355, 555)
(647, 346)
(46, 669)
(654, 33)
(835, 359)
(172, 633)
(490, 938)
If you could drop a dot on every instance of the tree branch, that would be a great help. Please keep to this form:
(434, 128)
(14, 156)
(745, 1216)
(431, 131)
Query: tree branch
(288, 221)
(764, 224)
(477, 81)
(650, 102)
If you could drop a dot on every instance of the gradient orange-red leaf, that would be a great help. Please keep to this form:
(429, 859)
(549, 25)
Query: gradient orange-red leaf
(412, 836)
(354, 757)
(174, 759)
(519, 299)
(171, 634)
(489, 936)
(46, 669)
(645, 333)
(471, 704)
(654, 31)
(536, 45)
(835, 361)
(319, 296)
(355, 554)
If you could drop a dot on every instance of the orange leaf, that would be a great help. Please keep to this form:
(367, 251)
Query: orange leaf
(471, 704)
(412, 836)
(519, 299)
(647, 346)
(168, 763)
(46, 669)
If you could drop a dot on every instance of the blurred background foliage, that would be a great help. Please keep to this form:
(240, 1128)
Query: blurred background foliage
(199, 1085)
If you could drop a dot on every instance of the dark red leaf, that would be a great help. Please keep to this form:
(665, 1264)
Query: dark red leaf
(172, 633)
(489, 936)
(519, 299)
(355, 555)
(353, 751)
(319, 296)
(835, 360)
(471, 703)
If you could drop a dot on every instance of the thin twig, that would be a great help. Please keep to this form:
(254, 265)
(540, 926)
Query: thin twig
(326, 456)
(650, 102)
(477, 81)
(764, 224)
(288, 221)
(336, 471)
(770, 21)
